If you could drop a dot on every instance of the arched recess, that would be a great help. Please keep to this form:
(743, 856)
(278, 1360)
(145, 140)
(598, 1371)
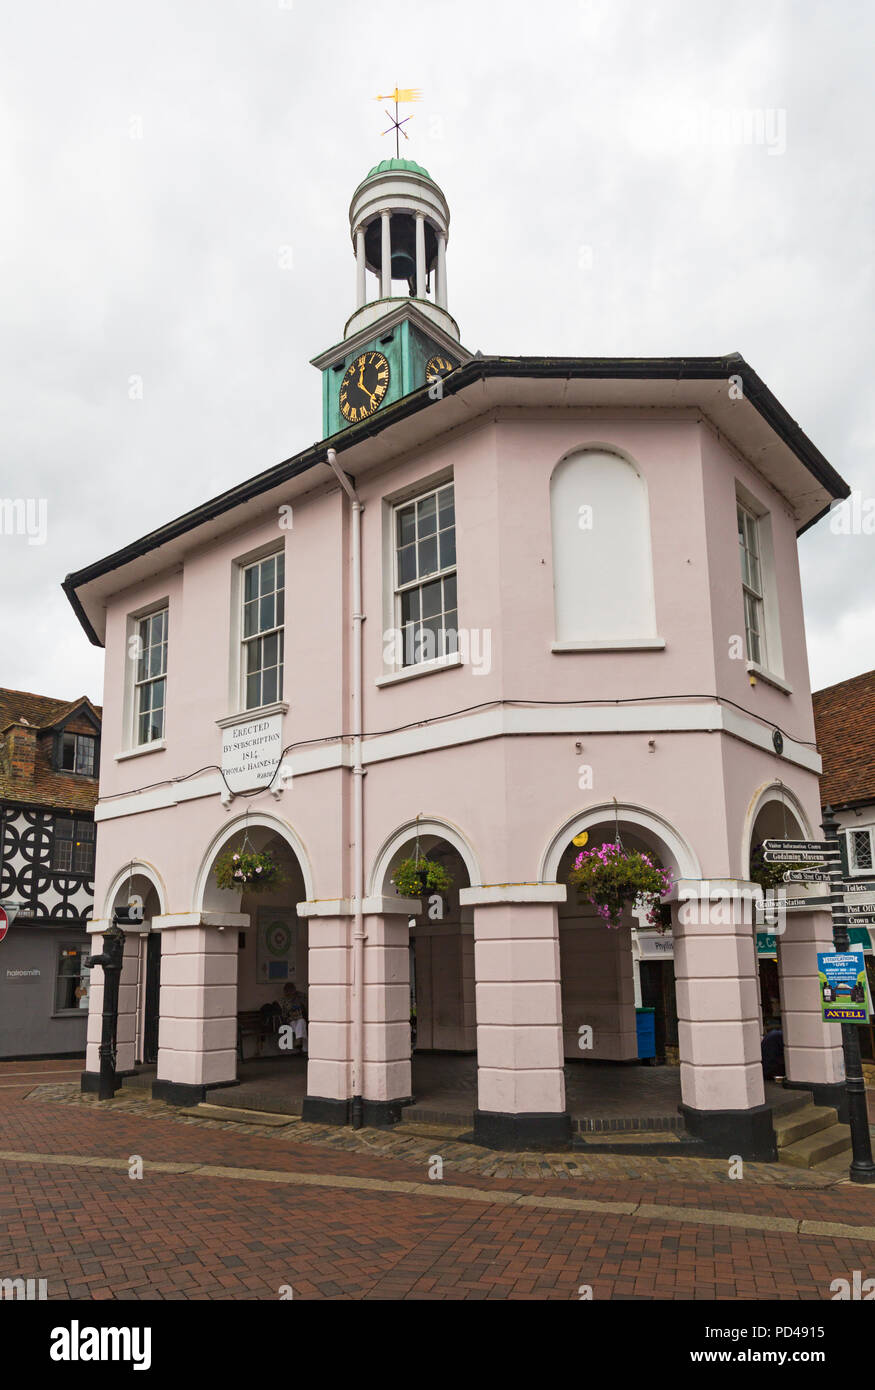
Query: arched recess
(673, 849)
(261, 826)
(137, 877)
(774, 812)
(602, 561)
(431, 827)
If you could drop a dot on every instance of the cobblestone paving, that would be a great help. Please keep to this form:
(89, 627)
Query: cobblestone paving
(230, 1210)
(417, 1143)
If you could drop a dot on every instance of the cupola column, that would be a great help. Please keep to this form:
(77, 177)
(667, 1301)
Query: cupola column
(420, 255)
(386, 255)
(441, 285)
(361, 288)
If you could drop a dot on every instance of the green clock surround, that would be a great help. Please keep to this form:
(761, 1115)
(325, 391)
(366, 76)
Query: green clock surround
(406, 351)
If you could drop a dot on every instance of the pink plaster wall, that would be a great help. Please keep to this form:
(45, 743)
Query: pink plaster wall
(507, 796)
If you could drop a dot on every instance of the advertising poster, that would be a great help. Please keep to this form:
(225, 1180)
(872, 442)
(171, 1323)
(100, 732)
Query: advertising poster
(843, 993)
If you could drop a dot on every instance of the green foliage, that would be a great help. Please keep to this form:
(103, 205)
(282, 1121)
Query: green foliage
(249, 870)
(413, 877)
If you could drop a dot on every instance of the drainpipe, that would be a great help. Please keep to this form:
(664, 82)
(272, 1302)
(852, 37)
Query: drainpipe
(359, 934)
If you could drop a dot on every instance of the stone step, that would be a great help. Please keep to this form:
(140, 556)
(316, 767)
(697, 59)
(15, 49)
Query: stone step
(798, 1124)
(815, 1148)
(837, 1165)
(236, 1115)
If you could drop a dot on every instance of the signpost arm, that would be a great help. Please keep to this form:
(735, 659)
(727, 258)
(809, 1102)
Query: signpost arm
(862, 1168)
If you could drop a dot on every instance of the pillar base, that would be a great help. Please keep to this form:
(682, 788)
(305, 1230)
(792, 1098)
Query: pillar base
(494, 1130)
(376, 1114)
(325, 1110)
(90, 1080)
(748, 1133)
(184, 1092)
(379, 1114)
(833, 1093)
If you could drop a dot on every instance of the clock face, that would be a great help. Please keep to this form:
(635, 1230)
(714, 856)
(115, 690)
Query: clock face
(365, 383)
(438, 366)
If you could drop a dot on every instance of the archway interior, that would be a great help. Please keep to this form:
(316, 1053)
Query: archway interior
(441, 955)
(775, 820)
(142, 965)
(272, 950)
(608, 975)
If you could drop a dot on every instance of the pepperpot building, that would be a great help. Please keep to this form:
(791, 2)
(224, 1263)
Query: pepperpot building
(504, 603)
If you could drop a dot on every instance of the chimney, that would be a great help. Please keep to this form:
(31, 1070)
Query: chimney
(21, 744)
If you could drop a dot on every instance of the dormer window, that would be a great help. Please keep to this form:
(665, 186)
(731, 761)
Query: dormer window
(77, 754)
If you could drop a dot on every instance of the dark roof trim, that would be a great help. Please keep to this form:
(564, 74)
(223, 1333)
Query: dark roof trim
(480, 369)
(858, 803)
(83, 706)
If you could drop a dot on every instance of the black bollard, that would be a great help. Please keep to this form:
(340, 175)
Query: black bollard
(111, 961)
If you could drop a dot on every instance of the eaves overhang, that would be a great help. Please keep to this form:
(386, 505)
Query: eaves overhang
(750, 417)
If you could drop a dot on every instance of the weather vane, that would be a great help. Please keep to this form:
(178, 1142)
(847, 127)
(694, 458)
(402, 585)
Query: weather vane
(405, 94)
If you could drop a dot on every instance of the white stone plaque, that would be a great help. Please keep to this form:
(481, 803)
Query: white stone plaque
(251, 751)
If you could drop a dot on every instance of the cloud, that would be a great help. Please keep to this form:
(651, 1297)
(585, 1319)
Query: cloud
(155, 159)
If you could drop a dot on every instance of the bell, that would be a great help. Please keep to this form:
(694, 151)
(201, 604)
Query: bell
(403, 266)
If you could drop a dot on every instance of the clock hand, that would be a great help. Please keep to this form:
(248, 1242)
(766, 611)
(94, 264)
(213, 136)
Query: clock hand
(370, 394)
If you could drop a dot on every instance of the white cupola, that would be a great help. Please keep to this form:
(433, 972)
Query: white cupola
(399, 221)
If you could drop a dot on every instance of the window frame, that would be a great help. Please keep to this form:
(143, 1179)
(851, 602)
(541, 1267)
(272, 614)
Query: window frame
(74, 839)
(747, 520)
(147, 682)
(413, 499)
(857, 870)
(84, 949)
(93, 739)
(244, 641)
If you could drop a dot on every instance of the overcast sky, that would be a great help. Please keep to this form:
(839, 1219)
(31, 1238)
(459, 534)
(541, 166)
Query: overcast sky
(161, 163)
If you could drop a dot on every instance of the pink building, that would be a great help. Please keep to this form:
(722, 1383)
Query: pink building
(505, 601)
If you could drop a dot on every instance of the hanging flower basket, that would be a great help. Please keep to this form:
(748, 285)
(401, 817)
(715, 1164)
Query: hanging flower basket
(769, 875)
(252, 870)
(417, 876)
(610, 876)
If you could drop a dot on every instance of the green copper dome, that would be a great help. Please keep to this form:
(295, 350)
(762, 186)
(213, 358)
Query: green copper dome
(407, 165)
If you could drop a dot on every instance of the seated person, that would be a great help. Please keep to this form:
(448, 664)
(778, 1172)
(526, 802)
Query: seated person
(773, 1052)
(294, 1013)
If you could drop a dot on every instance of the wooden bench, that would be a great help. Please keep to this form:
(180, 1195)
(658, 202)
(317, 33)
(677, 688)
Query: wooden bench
(251, 1024)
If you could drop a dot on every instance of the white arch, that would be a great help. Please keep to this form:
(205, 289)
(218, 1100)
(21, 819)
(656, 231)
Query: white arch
(256, 819)
(656, 825)
(431, 825)
(611, 553)
(779, 793)
(139, 869)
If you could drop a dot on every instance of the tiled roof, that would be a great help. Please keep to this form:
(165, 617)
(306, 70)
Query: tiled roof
(40, 710)
(844, 718)
(46, 787)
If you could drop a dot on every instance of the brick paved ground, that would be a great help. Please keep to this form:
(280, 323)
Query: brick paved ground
(231, 1211)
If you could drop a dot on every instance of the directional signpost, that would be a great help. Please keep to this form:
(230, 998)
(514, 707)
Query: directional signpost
(829, 855)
